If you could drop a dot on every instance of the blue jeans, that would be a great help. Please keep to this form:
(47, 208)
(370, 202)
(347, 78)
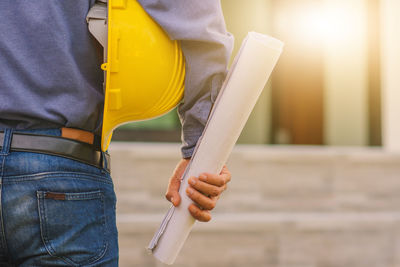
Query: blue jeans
(54, 211)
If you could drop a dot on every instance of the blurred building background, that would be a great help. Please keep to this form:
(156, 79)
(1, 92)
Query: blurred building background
(316, 173)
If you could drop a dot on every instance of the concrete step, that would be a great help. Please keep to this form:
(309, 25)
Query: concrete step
(264, 179)
(273, 240)
(285, 207)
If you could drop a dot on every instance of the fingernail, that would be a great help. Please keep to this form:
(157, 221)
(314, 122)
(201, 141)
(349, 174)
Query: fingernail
(172, 200)
(189, 191)
(192, 181)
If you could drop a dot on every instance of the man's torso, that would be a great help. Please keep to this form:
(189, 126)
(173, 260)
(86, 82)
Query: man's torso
(50, 72)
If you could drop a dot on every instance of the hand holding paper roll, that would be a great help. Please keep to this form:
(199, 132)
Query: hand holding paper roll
(246, 79)
(204, 190)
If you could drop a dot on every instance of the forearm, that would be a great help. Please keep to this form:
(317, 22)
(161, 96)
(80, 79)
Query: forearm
(206, 44)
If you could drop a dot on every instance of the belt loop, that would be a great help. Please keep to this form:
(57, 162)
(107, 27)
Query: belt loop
(5, 150)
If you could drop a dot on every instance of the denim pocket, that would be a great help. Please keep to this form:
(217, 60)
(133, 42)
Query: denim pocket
(73, 225)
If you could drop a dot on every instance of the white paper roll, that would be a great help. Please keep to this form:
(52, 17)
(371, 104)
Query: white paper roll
(245, 81)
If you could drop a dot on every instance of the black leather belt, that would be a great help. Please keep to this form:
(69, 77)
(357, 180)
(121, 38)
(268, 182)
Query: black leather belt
(58, 146)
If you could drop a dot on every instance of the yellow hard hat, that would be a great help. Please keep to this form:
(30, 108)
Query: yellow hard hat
(145, 69)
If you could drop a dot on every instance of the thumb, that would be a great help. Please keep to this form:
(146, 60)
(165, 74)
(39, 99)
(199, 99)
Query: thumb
(175, 182)
(172, 193)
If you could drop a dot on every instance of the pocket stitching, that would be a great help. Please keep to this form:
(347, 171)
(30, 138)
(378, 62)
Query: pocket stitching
(44, 175)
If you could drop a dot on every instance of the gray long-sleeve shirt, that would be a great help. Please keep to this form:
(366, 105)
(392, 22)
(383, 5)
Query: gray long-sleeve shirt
(49, 63)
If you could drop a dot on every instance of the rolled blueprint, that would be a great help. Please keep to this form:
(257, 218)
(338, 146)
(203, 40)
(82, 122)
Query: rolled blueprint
(245, 81)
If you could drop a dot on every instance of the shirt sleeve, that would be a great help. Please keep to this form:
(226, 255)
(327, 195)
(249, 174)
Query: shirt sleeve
(207, 46)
